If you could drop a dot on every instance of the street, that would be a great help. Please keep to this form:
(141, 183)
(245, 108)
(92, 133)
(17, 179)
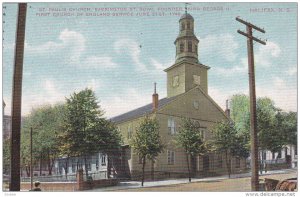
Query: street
(238, 183)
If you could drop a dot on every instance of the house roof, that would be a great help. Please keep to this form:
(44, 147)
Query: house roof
(146, 109)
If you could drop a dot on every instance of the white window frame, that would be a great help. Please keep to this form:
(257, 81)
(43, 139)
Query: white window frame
(170, 157)
(103, 160)
(202, 132)
(129, 132)
(171, 126)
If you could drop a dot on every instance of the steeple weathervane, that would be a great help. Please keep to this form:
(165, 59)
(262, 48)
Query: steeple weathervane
(186, 7)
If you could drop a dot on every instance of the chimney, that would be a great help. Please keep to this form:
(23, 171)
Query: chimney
(227, 111)
(154, 99)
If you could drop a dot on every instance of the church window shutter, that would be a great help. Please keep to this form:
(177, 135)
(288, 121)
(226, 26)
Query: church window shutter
(190, 46)
(181, 47)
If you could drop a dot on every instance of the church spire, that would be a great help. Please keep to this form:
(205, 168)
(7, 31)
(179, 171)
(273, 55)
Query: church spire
(186, 42)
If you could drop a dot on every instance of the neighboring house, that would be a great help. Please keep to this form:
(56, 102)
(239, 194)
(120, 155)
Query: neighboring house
(187, 96)
(288, 156)
(96, 164)
(6, 126)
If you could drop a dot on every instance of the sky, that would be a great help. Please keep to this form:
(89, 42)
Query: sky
(120, 49)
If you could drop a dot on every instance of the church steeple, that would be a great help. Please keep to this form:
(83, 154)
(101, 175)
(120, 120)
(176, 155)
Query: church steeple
(187, 72)
(186, 42)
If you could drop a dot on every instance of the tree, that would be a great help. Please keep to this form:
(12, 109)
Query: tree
(147, 142)
(269, 136)
(6, 156)
(227, 140)
(85, 130)
(109, 140)
(287, 122)
(269, 122)
(240, 112)
(45, 122)
(190, 139)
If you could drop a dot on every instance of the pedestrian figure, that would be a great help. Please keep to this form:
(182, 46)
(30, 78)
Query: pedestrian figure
(36, 185)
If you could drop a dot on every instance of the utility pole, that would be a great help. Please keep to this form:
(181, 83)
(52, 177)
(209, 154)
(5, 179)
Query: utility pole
(253, 118)
(17, 98)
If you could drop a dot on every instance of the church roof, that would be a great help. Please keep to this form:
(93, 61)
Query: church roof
(141, 110)
(186, 15)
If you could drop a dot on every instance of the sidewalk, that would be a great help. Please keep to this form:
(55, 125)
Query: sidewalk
(137, 184)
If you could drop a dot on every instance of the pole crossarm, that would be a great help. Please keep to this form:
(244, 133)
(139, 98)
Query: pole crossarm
(251, 37)
(250, 25)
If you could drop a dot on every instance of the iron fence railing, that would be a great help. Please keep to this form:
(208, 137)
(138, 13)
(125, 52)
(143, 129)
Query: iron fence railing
(95, 175)
(53, 178)
(69, 178)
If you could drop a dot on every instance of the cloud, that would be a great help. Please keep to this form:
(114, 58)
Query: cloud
(292, 71)
(220, 95)
(158, 66)
(99, 62)
(266, 54)
(50, 95)
(223, 45)
(284, 95)
(129, 100)
(235, 70)
(93, 84)
(67, 39)
(264, 57)
(131, 48)
(71, 44)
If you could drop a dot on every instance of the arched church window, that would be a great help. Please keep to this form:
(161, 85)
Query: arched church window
(190, 46)
(197, 124)
(196, 49)
(182, 26)
(188, 25)
(181, 47)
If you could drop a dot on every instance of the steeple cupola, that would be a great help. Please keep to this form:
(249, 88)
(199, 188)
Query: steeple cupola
(186, 42)
(187, 72)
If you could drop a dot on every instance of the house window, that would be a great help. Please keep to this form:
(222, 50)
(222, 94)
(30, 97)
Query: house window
(190, 46)
(103, 160)
(129, 132)
(171, 157)
(88, 166)
(97, 164)
(202, 132)
(181, 47)
(197, 124)
(264, 155)
(73, 168)
(171, 126)
(182, 26)
(237, 162)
